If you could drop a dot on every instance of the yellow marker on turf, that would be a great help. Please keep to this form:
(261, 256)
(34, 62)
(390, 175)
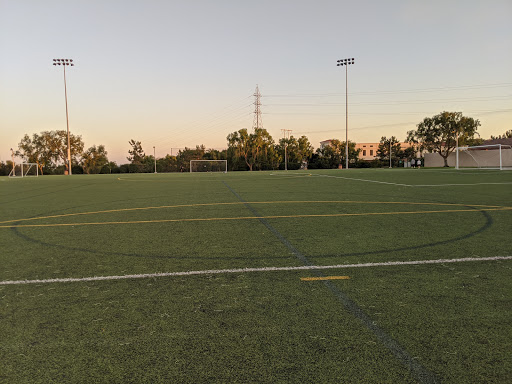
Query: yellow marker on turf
(325, 278)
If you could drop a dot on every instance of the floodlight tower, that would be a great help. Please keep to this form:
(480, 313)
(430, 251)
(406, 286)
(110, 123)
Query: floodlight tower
(346, 63)
(64, 63)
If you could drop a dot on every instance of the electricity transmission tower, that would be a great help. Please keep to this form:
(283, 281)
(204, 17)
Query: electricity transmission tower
(257, 122)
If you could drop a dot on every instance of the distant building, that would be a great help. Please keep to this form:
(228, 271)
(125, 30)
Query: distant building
(368, 150)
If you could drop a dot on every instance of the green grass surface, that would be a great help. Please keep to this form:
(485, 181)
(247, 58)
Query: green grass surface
(447, 322)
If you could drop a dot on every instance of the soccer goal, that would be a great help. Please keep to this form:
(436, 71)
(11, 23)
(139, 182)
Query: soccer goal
(493, 156)
(209, 166)
(24, 170)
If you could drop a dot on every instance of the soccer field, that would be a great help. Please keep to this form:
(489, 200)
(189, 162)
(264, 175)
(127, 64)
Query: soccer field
(328, 276)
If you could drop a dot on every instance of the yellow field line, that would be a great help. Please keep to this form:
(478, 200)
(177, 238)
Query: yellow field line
(253, 218)
(325, 278)
(241, 203)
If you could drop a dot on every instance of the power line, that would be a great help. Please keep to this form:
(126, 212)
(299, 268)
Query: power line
(392, 102)
(337, 94)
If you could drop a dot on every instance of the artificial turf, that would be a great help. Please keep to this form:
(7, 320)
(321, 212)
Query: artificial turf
(451, 320)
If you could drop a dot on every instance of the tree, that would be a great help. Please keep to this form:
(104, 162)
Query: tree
(506, 135)
(35, 150)
(94, 159)
(261, 145)
(333, 155)
(50, 147)
(167, 164)
(385, 145)
(184, 156)
(439, 133)
(5, 168)
(305, 150)
(136, 153)
(298, 151)
(239, 143)
(110, 167)
(287, 150)
(58, 141)
(408, 153)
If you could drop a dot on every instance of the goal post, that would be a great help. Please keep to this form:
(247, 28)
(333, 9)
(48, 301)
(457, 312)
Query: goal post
(209, 166)
(492, 156)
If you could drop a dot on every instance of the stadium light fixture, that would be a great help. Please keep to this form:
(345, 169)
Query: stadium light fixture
(64, 63)
(346, 63)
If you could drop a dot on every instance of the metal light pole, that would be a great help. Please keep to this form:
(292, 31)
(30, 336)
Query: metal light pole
(64, 63)
(286, 136)
(346, 63)
(390, 154)
(154, 155)
(457, 149)
(13, 164)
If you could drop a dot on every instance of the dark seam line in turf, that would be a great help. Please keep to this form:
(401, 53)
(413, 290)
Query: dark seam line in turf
(420, 372)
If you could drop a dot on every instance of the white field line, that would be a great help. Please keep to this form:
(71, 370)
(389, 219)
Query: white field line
(458, 185)
(366, 180)
(246, 270)
(415, 185)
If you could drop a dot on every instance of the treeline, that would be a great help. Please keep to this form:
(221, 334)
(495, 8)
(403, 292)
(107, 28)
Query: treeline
(255, 150)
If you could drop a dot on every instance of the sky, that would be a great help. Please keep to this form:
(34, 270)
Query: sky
(175, 74)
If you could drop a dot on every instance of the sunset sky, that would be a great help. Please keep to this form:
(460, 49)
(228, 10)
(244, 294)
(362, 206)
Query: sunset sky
(176, 74)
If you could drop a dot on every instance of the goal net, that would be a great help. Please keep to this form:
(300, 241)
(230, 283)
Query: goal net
(24, 170)
(209, 166)
(494, 156)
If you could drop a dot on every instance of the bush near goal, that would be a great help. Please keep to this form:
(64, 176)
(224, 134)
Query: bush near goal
(209, 166)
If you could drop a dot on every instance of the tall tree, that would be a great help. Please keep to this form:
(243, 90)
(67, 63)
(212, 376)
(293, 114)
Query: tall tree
(439, 133)
(257, 149)
(49, 147)
(239, 143)
(34, 150)
(386, 145)
(305, 150)
(136, 154)
(298, 151)
(94, 159)
(287, 151)
(59, 146)
(333, 155)
(261, 144)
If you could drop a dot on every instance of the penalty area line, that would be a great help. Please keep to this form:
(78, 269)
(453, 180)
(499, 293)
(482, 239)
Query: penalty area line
(247, 270)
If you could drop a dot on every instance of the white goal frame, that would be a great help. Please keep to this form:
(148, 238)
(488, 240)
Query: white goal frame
(503, 150)
(24, 169)
(225, 162)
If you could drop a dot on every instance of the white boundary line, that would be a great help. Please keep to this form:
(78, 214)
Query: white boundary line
(400, 184)
(415, 185)
(246, 270)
